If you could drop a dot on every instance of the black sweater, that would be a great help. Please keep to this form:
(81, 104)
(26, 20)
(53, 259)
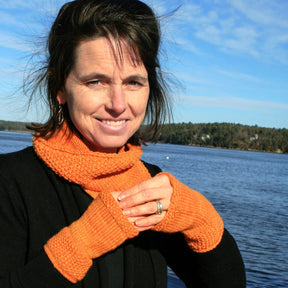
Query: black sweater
(35, 204)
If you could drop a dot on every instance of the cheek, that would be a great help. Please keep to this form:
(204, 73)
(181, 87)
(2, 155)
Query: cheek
(78, 104)
(140, 104)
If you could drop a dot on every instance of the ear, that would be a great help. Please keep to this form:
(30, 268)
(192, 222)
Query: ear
(61, 97)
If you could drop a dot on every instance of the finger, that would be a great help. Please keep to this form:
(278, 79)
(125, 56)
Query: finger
(142, 224)
(157, 181)
(148, 208)
(115, 195)
(141, 229)
(149, 221)
(132, 220)
(149, 195)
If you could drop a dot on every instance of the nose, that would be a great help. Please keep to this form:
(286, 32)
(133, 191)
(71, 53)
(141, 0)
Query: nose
(117, 103)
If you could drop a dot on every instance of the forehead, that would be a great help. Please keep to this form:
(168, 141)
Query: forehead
(101, 50)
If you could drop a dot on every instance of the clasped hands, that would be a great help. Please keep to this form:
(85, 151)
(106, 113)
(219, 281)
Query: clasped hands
(139, 203)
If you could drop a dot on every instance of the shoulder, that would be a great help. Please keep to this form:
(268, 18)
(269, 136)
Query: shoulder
(153, 169)
(16, 171)
(21, 154)
(14, 163)
(21, 170)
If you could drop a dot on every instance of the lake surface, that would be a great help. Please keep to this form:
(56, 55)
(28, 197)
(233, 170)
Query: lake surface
(249, 190)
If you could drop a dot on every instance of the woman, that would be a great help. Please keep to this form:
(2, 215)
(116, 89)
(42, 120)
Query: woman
(80, 208)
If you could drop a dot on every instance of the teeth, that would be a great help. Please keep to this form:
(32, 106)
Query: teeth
(113, 123)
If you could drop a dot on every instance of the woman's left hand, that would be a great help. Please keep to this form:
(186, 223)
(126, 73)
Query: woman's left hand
(139, 203)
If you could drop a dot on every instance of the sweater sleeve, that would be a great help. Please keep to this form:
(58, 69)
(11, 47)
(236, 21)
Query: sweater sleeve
(15, 270)
(193, 215)
(221, 267)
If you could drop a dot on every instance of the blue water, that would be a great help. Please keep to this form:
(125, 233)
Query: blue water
(249, 190)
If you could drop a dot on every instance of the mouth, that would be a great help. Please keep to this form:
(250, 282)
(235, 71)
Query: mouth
(114, 123)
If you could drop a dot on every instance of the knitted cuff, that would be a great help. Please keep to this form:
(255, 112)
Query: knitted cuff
(102, 228)
(193, 215)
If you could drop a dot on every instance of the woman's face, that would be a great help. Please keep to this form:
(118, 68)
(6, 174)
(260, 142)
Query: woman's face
(106, 98)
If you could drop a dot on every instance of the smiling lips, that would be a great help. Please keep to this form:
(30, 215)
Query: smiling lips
(114, 123)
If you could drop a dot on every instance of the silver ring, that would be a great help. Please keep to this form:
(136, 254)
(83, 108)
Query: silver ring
(159, 207)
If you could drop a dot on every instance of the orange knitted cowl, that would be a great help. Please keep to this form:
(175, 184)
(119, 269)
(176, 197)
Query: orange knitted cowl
(72, 159)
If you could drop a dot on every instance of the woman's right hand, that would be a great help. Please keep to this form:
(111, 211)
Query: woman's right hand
(139, 203)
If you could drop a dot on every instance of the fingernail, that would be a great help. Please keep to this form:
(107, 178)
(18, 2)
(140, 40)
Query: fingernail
(126, 212)
(121, 197)
(138, 223)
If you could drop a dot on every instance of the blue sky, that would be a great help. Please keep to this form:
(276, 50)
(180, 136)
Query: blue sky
(230, 58)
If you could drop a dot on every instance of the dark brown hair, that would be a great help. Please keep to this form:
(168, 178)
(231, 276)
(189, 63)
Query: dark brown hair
(128, 21)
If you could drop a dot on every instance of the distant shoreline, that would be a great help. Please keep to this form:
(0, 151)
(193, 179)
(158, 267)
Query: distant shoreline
(14, 126)
(19, 131)
(211, 135)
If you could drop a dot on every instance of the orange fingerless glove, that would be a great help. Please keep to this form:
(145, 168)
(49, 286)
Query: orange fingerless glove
(102, 228)
(193, 215)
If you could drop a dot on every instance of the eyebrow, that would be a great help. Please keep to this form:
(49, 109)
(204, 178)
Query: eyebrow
(90, 76)
(137, 77)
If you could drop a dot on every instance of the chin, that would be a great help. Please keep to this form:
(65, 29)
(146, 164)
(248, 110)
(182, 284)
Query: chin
(110, 146)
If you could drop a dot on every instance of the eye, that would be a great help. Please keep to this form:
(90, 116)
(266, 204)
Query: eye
(93, 82)
(134, 83)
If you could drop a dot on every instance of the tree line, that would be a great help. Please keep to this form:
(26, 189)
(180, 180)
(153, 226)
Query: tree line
(220, 135)
(226, 135)
(13, 126)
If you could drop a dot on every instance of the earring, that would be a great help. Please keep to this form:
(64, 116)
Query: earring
(60, 115)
